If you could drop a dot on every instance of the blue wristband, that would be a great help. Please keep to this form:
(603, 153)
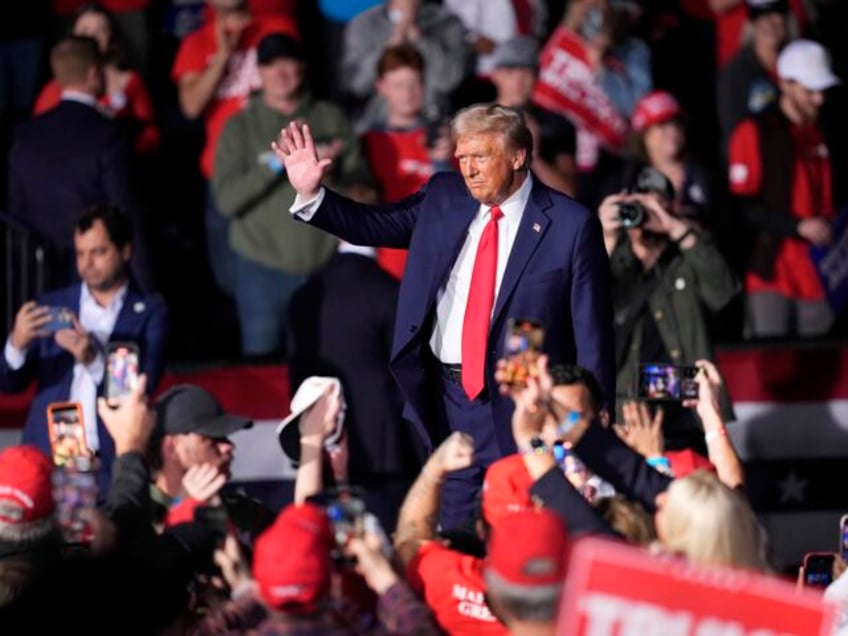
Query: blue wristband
(659, 462)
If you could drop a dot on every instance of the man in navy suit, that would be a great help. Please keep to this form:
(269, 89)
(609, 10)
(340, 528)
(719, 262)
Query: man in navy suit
(69, 364)
(499, 245)
(71, 157)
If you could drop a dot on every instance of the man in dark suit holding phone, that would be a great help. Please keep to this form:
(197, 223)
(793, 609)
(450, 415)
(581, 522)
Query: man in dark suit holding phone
(67, 360)
(499, 245)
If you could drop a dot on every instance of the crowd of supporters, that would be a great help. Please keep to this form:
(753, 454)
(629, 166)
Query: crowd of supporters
(705, 135)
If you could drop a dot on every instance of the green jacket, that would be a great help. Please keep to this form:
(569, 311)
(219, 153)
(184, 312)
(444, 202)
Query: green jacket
(691, 283)
(256, 198)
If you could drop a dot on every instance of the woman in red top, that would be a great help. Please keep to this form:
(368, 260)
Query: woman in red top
(126, 95)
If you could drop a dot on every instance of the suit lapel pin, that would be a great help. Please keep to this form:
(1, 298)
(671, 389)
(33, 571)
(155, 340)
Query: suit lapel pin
(537, 227)
(138, 307)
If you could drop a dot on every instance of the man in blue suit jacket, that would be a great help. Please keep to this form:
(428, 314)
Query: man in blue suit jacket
(69, 364)
(542, 252)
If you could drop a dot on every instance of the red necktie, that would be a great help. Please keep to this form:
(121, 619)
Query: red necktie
(478, 311)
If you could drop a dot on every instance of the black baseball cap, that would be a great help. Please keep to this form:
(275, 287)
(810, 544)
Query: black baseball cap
(278, 45)
(756, 8)
(187, 408)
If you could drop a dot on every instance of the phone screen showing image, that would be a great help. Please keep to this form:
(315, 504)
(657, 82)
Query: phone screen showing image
(818, 570)
(67, 433)
(524, 339)
(843, 538)
(658, 381)
(121, 372)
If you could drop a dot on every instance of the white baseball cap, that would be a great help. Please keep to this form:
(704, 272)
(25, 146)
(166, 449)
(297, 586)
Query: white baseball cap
(307, 394)
(807, 63)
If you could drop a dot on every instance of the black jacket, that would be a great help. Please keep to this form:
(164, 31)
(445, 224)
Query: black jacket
(340, 323)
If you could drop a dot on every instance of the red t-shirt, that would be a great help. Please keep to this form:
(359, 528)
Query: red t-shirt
(452, 585)
(134, 103)
(730, 25)
(795, 274)
(401, 164)
(240, 78)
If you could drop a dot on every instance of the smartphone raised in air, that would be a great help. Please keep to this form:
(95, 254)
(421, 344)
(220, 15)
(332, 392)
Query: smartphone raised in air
(818, 569)
(122, 371)
(67, 433)
(524, 339)
(667, 382)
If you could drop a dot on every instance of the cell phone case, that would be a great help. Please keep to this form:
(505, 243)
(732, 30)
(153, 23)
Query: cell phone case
(67, 432)
(524, 340)
(122, 369)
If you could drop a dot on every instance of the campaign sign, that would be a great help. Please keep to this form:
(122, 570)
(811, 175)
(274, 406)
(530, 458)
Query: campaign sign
(832, 264)
(614, 589)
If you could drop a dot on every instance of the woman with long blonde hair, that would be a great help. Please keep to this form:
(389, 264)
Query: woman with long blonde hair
(706, 522)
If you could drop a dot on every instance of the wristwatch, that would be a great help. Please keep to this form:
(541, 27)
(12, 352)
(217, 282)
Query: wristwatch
(536, 446)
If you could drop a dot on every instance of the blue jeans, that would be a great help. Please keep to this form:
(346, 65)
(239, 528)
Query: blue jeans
(262, 298)
(218, 251)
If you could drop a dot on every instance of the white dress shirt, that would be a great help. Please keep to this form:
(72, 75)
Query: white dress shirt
(361, 250)
(99, 322)
(452, 298)
(79, 96)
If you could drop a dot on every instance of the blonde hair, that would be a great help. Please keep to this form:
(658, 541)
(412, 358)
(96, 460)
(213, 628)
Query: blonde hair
(709, 524)
(627, 518)
(494, 118)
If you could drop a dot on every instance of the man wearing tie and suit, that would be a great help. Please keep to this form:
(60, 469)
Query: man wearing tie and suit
(69, 365)
(500, 245)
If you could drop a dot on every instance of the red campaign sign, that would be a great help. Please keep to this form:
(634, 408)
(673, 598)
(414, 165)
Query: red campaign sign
(567, 86)
(617, 590)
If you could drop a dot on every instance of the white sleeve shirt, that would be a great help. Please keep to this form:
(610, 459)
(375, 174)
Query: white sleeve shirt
(99, 322)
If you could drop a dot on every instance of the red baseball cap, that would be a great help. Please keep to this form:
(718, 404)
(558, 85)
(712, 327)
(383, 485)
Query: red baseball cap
(655, 108)
(687, 461)
(528, 548)
(291, 559)
(26, 486)
(506, 488)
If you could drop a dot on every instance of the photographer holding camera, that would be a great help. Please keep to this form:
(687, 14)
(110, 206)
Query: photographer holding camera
(666, 274)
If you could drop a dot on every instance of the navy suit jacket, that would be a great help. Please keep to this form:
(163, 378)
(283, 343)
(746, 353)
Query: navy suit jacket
(63, 161)
(142, 320)
(557, 273)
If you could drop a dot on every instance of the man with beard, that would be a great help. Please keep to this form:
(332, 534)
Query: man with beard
(190, 454)
(60, 340)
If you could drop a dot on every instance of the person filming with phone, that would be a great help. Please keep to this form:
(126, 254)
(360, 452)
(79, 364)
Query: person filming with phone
(667, 273)
(60, 340)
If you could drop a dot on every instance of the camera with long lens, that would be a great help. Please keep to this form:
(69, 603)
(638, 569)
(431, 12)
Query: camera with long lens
(631, 214)
(648, 180)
